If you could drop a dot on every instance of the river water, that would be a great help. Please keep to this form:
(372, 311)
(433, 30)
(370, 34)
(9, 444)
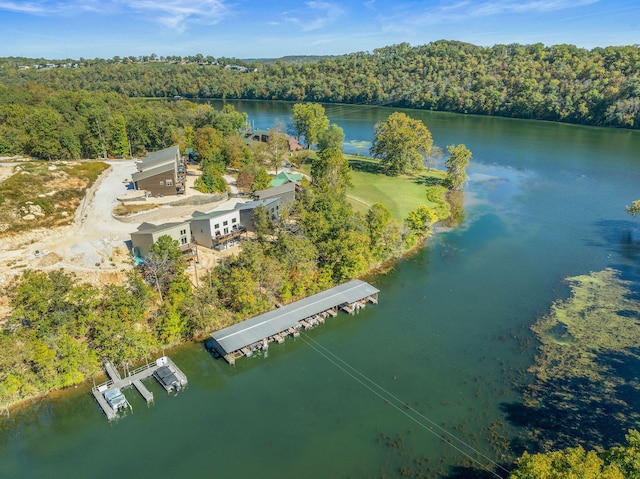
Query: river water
(449, 338)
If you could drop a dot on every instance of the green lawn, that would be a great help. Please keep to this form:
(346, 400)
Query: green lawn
(400, 194)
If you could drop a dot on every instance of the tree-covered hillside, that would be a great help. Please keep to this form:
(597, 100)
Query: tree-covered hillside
(557, 83)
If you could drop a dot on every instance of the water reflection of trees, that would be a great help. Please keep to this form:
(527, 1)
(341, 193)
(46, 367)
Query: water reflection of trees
(456, 203)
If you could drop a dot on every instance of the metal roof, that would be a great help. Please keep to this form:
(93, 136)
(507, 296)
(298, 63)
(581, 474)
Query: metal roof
(275, 190)
(265, 325)
(165, 155)
(199, 215)
(285, 177)
(148, 173)
(250, 205)
(150, 228)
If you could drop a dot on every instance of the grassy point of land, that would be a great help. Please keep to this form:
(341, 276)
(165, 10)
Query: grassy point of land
(401, 194)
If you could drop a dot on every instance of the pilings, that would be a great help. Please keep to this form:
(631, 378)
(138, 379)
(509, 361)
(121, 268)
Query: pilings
(304, 324)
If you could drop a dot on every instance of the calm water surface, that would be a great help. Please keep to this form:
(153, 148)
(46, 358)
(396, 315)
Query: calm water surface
(449, 337)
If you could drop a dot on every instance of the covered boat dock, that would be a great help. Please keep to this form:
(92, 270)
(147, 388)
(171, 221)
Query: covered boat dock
(253, 334)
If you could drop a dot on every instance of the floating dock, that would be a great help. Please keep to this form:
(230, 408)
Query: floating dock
(111, 400)
(254, 334)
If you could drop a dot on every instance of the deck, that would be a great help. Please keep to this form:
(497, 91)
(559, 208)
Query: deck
(134, 378)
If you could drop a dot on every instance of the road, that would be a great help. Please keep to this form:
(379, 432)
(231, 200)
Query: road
(94, 246)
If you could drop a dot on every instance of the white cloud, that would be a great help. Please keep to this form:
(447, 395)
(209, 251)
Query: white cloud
(316, 15)
(465, 10)
(175, 14)
(37, 8)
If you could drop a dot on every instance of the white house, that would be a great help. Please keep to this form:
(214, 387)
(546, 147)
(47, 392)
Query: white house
(217, 229)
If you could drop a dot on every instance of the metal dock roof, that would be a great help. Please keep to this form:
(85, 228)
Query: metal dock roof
(260, 327)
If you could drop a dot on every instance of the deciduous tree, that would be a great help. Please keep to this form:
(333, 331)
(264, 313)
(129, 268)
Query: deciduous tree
(276, 147)
(457, 166)
(330, 170)
(567, 464)
(401, 143)
(262, 180)
(332, 137)
(164, 263)
(309, 120)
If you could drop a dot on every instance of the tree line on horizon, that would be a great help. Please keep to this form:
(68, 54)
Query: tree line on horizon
(557, 83)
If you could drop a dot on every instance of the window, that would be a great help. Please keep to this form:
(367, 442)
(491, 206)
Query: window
(161, 183)
(225, 223)
(183, 232)
(233, 220)
(217, 226)
(183, 240)
(169, 182)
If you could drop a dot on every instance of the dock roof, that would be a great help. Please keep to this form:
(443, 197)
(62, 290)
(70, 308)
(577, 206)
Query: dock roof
(260, 327)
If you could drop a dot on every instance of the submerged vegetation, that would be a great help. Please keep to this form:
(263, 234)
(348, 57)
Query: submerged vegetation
(585, 388)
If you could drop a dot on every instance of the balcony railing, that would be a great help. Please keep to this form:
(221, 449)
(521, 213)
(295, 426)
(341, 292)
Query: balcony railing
(235, 232)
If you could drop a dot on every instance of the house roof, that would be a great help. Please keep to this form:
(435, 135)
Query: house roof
(148, 173)
(250, 205)
(199, 215)
(275, 190)
(161, 156)
(150, 228)
(166, 158)
(260, 327)
(286, 177)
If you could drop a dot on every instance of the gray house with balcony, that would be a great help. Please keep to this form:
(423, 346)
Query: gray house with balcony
(217, 229)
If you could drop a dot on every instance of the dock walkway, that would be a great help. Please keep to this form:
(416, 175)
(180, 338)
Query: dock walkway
(134, 378)
(142, 389)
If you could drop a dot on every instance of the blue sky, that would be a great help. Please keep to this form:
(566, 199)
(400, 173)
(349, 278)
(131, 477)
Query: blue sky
(57, 29)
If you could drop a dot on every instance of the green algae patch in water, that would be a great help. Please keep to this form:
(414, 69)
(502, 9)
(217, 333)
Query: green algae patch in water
(585, 373)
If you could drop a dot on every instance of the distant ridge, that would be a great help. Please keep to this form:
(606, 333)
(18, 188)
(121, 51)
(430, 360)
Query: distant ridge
(291, 59)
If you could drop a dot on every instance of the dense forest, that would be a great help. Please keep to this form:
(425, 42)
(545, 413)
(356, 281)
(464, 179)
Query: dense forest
(558, 83)
(47, 123)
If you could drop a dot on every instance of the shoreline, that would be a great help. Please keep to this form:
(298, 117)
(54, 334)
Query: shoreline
(381, 268)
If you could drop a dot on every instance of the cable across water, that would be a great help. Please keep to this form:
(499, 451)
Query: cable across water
(395, 402)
